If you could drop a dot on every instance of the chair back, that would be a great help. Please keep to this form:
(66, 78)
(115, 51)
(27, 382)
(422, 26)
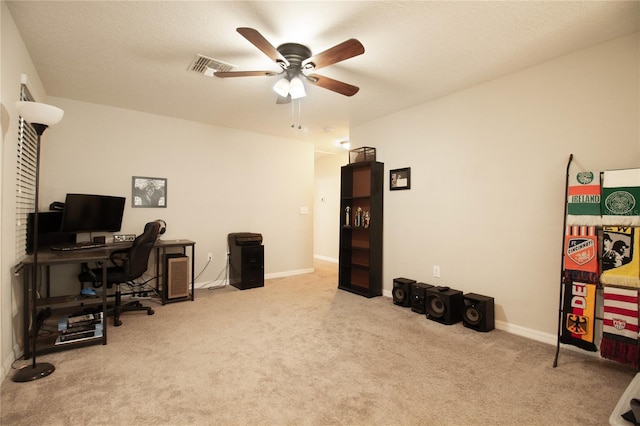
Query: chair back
(140, 250)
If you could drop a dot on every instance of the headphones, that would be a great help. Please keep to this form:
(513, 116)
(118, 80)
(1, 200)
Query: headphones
(163, 226)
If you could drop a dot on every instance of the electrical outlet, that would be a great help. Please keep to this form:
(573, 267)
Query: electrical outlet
(209, 256)
(436, 271)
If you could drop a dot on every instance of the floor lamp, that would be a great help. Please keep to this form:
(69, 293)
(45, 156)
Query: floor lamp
(40, 116)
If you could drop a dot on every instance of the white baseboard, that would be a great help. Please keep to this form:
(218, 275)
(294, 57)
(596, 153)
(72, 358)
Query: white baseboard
(325, 258)
(289, 273)
(529, 333)
(221, 283)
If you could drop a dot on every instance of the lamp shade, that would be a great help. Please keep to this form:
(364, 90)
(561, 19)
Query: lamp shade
(296, 88)
(37, 113)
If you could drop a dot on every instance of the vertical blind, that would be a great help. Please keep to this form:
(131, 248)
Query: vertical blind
(25, 177)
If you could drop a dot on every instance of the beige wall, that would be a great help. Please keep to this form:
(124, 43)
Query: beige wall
(327, 206)
(219, 180)
(488, 171)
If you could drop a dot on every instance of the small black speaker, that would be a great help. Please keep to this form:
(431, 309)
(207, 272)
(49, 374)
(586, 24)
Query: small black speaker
(444, 305)
(418, 297)
(478, 312)
(402, 291)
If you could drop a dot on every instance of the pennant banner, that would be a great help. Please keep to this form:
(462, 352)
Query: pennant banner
(621, 197)
(581, 253)
(583, 199)
(579, 312)
(620, 326)
(620, 256)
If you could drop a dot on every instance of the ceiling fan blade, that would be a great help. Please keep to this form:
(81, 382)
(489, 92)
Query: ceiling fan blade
(345, 50)
(244, 74)
(334, 85)
(261, 43)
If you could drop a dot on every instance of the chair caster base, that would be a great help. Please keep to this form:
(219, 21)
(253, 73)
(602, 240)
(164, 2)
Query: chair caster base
(150, 312)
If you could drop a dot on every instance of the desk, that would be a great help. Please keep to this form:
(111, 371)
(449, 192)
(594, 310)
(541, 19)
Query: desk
(67, 304)
(64, 305)
(160, 247)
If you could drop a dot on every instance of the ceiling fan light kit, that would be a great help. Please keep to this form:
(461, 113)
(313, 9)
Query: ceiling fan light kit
(296, 88)
(293, 88)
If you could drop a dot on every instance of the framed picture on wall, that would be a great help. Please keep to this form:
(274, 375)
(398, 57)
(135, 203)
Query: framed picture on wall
(148, 192)
(400, 179)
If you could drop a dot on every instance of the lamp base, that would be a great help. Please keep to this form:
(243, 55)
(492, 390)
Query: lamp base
(30, 372)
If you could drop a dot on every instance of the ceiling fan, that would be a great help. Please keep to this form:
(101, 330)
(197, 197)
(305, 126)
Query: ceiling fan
(297, 63)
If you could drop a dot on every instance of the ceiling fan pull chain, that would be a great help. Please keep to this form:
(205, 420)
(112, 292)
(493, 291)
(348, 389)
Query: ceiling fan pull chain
(292, 116)
(299, 114)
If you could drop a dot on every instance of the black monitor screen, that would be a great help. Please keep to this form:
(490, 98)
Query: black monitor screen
(92, 213)
(49, 224)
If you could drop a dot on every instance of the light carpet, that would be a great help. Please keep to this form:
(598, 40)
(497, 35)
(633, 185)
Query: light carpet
(298, 351)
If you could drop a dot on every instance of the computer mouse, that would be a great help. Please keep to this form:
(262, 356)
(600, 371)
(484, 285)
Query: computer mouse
(88, 292)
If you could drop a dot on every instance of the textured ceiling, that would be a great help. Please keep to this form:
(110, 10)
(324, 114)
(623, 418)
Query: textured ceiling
(136, 55)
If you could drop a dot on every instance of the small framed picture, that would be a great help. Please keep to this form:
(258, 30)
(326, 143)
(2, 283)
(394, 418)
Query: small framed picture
(400, 179)
(149, 192)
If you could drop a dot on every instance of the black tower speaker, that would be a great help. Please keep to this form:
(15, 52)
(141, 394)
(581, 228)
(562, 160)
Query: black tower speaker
(478, 312)
(402, 291)
(418, 292)
(444, 305)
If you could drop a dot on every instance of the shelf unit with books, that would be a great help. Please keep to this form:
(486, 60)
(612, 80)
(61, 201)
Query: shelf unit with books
(56, 313)
(361, 207)
(53, 313)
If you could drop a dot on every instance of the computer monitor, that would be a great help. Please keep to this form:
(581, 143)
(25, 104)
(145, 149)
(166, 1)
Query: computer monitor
(92, 213)
(49, 224)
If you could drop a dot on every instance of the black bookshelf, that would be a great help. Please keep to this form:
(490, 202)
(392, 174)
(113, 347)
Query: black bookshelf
(361, 220)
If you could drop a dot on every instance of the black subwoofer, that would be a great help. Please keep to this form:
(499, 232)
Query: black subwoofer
(402, 291)
(418, 292)
(246, 260)
(444, 305)
(478, 312)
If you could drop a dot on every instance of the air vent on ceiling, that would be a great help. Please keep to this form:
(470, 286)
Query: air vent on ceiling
(207, 66)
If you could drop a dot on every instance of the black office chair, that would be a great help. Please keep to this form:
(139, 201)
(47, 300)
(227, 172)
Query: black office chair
(128, 265)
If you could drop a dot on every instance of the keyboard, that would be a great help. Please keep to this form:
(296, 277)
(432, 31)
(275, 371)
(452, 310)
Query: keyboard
(85, 245)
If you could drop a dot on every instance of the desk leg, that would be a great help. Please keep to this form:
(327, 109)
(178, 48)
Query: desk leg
(161, 252)
(104, 303)
(158, 290)
(193, 261)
